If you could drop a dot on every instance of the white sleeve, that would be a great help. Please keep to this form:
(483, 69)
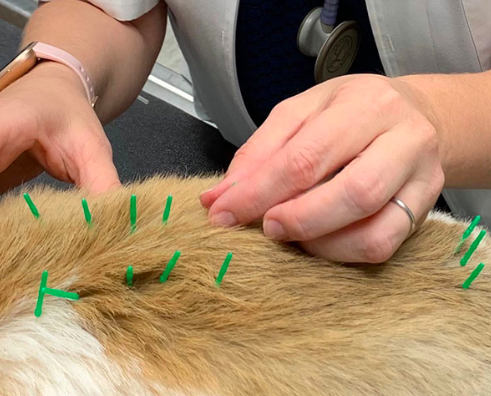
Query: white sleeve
(124, 10)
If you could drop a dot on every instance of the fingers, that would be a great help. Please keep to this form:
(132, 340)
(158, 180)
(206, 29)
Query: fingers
(20, 171)
(366, 102)
(285, 120)
(10, 151)
(16, 137)
(13, 137)
(283, 123)
(374, 239)
(357, 192)
(316, 151)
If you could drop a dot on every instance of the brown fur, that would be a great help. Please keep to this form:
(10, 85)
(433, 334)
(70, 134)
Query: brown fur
(282, 323)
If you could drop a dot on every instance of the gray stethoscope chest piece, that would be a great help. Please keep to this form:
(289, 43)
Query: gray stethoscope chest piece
(335, 49)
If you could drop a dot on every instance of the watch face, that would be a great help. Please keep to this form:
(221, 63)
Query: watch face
(17, 67)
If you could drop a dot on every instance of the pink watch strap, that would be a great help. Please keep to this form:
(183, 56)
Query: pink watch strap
(45, 51)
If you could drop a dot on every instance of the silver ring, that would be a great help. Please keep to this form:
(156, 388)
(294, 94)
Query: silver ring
(410, 214)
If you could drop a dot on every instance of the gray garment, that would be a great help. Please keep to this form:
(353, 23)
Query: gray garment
(413, 36)
(205, 31)
(437, 36)
(123, 10)
(433, 36)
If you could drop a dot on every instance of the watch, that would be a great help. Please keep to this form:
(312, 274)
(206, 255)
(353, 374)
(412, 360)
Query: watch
(35, 52)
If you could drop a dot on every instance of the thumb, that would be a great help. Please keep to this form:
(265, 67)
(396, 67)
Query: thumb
(98, 173)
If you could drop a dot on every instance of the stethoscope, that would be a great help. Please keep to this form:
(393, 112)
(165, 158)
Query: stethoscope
(334, 46)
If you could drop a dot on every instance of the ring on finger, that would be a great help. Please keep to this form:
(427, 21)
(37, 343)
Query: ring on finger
(408, 212)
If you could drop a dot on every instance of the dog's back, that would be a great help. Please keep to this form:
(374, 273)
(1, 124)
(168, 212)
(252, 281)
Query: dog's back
(281, 323)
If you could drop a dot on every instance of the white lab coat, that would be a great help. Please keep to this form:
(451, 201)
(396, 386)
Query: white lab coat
(412, 36)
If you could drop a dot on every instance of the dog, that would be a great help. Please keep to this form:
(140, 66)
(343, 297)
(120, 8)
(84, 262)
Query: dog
(279, 323)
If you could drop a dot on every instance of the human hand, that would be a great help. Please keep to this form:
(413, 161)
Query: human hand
(376, 130)
(46, 123)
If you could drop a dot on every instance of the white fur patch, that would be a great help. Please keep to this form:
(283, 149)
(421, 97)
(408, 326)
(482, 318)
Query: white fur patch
(54, 356)
(443, 217)
(446, 218)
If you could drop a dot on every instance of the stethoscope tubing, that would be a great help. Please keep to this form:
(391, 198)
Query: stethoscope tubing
(329, 12)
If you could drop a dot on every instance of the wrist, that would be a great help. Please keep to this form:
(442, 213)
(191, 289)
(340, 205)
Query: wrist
(420, 91)
(458, 107)
(416, 88)
(59, 74)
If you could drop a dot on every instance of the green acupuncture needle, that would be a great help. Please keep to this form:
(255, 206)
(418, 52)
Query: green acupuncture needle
(473, 247)
(224, 269)
(467, 233)
(473, 276)
(471, 227)
(42, 288)
(167, 209)
(170, 266)
(31, 205)
(88, 216)
(133, 213)
(61, 293)
(129, 276)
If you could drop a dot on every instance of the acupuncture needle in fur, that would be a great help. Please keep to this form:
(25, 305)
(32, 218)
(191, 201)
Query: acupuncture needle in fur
(467, 233)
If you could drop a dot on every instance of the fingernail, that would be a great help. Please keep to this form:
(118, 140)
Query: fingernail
(209, 197)
(205, 199)
(274, 230)
(225, 219)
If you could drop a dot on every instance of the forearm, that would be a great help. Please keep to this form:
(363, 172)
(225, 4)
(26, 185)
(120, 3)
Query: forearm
(118, 55)
(460, 108)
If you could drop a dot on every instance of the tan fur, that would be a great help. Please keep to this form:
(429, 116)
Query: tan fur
(282, 323)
